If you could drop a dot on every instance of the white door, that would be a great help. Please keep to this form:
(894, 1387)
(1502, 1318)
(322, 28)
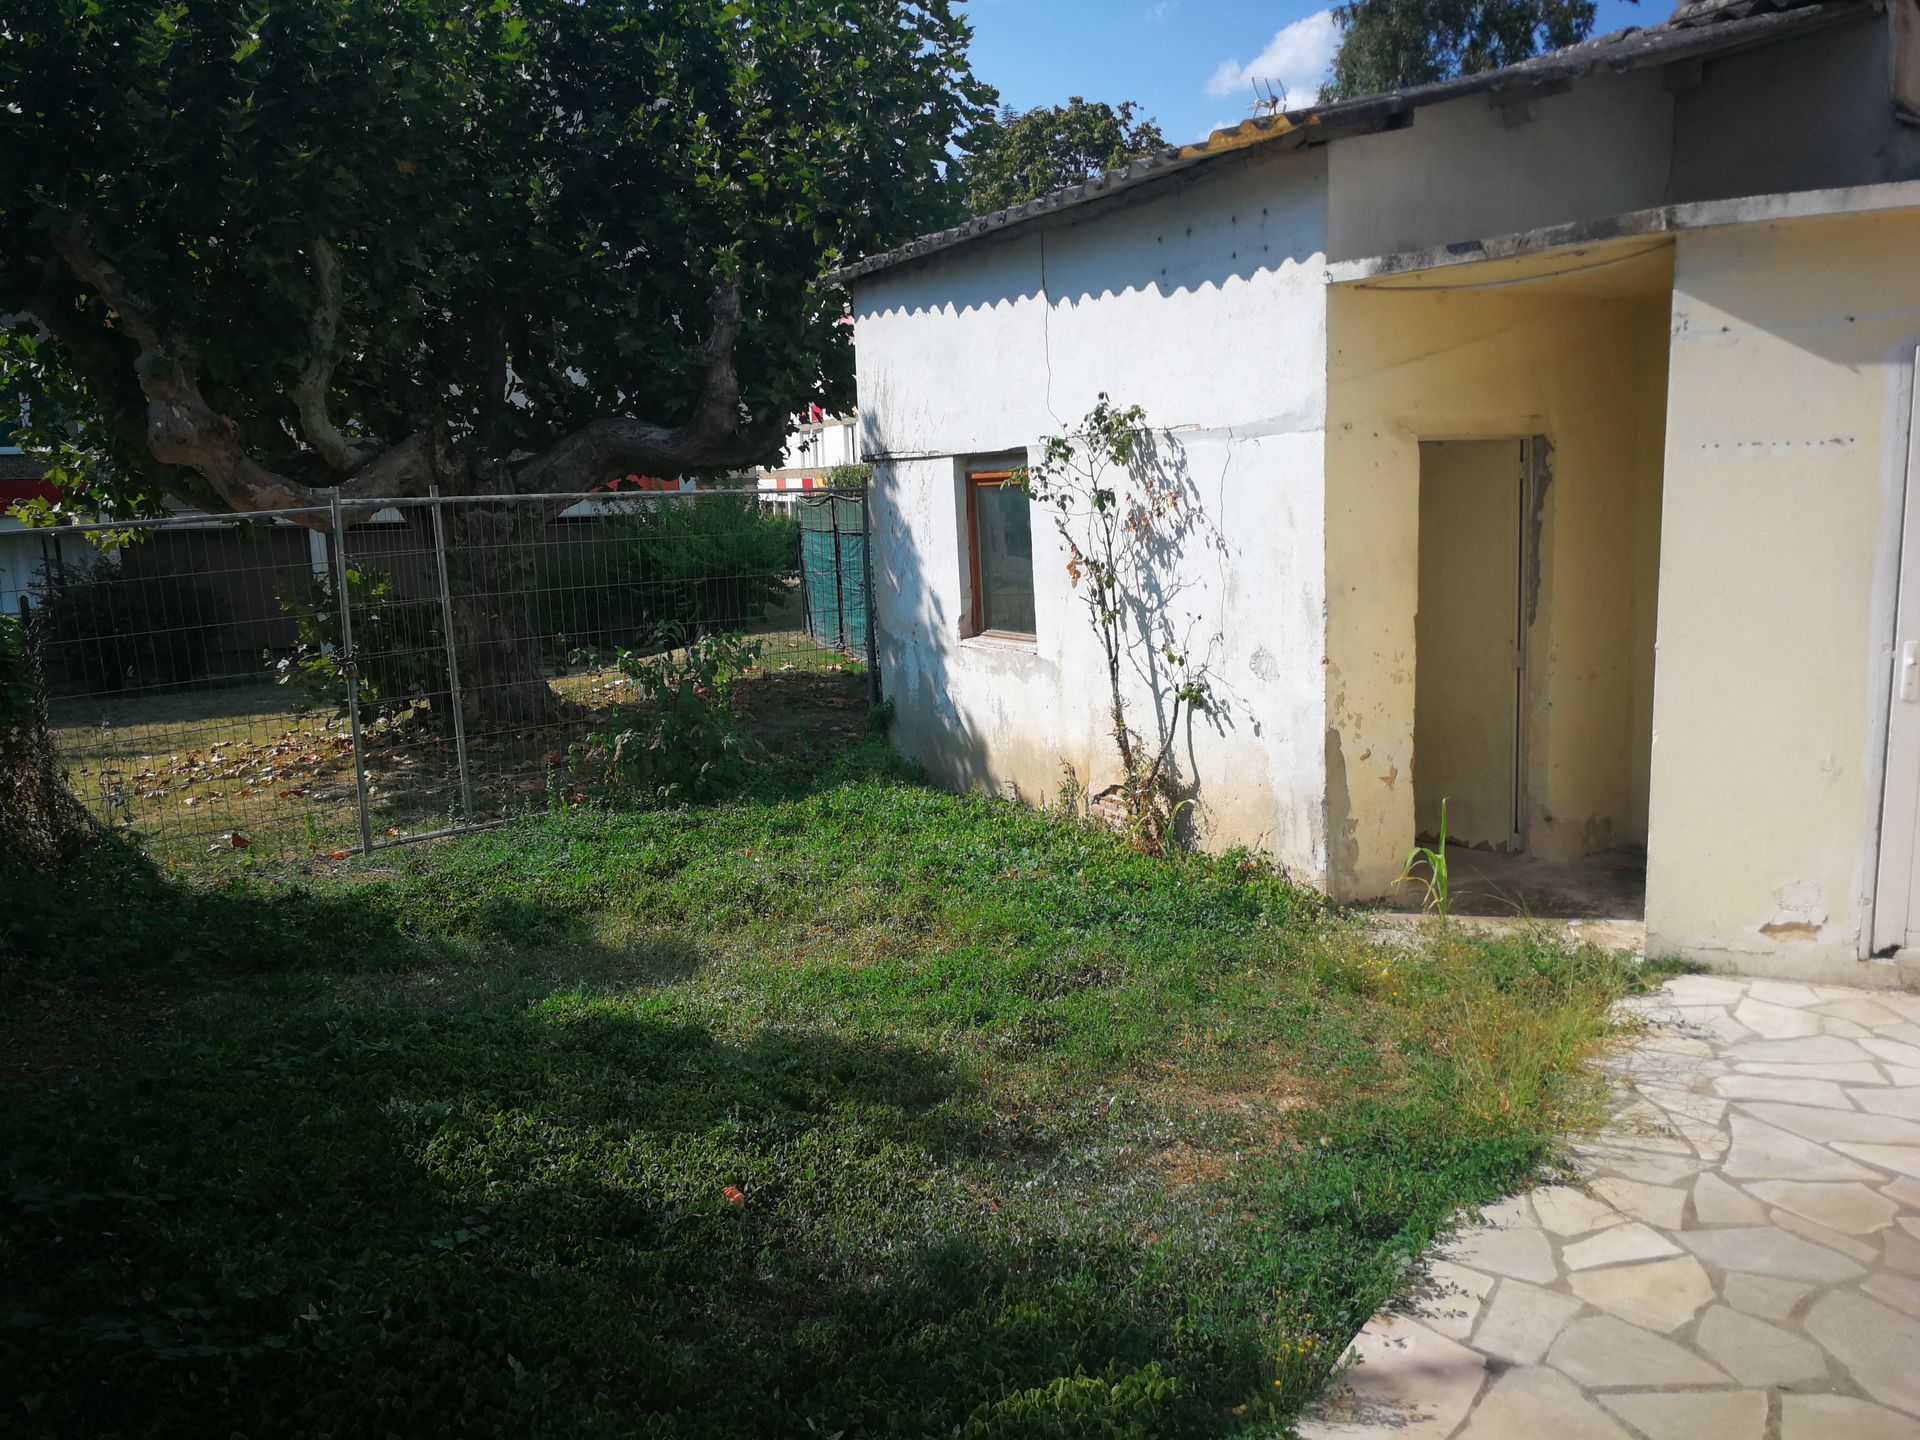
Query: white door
(1896, 906)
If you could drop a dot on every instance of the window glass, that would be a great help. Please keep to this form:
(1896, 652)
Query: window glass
(1003, 549)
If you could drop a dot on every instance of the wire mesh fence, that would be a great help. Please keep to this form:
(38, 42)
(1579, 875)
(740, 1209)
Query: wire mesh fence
(327, 680)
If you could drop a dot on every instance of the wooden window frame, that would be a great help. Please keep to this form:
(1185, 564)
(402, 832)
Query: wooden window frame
(977, 480)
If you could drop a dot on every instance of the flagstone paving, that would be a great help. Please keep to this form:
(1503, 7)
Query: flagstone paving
(1739, 1258)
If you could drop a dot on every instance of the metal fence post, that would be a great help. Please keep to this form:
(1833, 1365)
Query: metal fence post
(866, 586)
(453, 658)
(350, 667)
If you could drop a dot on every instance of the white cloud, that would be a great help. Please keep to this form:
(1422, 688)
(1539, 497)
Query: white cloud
(1297, 58)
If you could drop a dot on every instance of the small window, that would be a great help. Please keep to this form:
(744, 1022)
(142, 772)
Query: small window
(1000, 525)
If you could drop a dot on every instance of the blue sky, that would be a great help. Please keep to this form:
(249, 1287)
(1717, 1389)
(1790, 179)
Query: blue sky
(1189, 62)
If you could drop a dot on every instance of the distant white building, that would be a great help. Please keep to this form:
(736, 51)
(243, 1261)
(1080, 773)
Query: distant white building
(24, 551)
(817, 446)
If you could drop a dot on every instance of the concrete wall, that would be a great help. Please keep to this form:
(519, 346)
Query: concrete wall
(1811, 116)
(1813, 113)
(1461, 171)
(1206, 307)
(1559, 358)
(1791, 359)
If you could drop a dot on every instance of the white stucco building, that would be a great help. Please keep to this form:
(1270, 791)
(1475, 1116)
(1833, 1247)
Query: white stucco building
(1552, 436)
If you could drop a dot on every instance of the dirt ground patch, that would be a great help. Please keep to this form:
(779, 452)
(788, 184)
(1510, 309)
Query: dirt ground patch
(210, 777)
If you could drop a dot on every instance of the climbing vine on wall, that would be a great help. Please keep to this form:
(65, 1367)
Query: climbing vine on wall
(1121, 511)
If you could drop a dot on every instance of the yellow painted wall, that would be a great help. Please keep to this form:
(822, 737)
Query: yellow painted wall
(1792, 347)
(1464, 630)
(1559, 357)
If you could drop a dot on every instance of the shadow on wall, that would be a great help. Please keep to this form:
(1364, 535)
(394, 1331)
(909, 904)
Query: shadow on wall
(1173, 645)
(913, 627)
(1008, 716)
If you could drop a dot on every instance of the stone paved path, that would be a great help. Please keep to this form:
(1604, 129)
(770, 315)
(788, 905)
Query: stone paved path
(1740, 1261)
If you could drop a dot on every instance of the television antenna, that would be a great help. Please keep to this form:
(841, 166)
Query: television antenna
(1269, 97)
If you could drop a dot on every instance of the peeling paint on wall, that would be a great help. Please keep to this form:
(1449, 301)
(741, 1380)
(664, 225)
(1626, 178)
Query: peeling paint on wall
(1800, 916)
(1539, 489)
(1343, 844)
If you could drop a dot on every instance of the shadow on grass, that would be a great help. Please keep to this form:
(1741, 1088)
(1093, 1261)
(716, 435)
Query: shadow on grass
(98, 956)
(523, 1209)
(94, 957)
(431, 1154)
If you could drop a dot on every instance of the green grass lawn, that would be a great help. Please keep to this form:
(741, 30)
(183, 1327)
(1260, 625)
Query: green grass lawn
(847, 1108)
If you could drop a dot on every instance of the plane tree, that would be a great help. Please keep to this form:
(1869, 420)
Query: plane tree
(253, 252)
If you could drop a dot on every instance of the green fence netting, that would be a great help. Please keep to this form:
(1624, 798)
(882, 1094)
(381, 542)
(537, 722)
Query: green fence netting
(833, 570)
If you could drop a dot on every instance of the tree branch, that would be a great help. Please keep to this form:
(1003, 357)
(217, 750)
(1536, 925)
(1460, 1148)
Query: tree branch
(407, 467)
(309, 393)
(118, 407)
(711, 437)
(183, 429)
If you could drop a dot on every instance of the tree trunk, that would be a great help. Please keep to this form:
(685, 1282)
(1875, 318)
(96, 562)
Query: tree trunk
(498, 627)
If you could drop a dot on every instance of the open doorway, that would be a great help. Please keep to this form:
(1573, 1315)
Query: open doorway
(1896, 907)
(1477, 601)
(1492, 594)
(1478, 587)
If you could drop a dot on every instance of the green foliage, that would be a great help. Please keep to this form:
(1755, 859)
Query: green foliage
(104, 627)
(679, 738)
(533, 188)
(669, 567)
(850, 477)
(1120, 1404)
(1434, 859)
(1118, 508)
(849, 1106)
(16, 681)
(1021, 155)
(1393, 44)
(41, 823)
(399, 647)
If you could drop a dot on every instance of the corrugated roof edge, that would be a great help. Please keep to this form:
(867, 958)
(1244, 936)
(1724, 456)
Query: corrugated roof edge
(1706, 27)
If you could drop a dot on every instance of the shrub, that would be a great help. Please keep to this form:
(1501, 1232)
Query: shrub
(104, 628)
(41, 824)
(850, 477)
(680, 738)
(400, 646)
(673, 567)
(17, 703)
